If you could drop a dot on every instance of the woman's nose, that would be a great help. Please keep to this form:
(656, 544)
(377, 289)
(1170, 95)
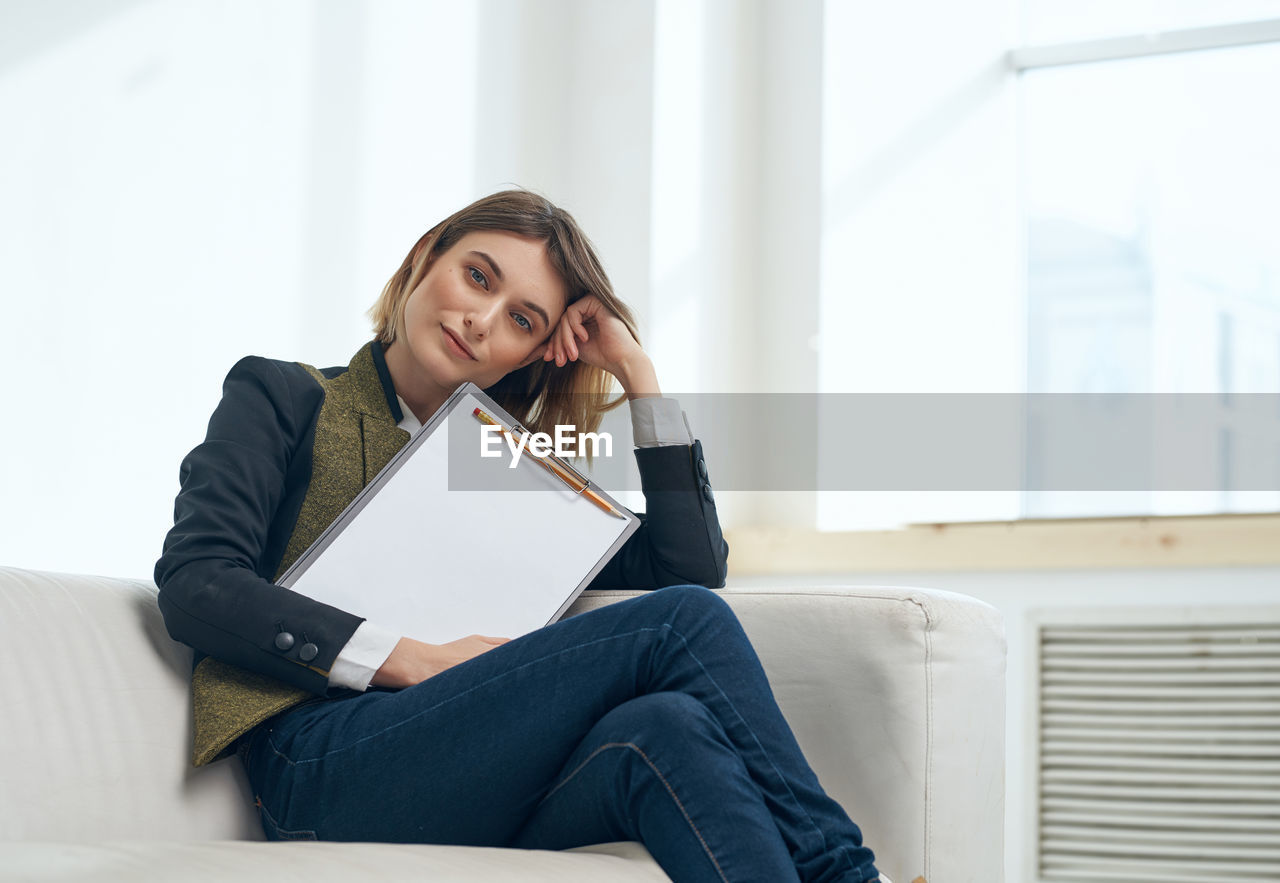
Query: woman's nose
(479, 321)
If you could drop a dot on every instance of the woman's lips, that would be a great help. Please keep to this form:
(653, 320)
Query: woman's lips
(456, 346)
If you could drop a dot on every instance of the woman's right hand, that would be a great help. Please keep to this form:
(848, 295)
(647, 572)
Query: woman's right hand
(412, 662)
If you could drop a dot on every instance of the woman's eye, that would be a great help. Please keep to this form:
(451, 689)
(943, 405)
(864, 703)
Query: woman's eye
(478, 277)
(522, 322)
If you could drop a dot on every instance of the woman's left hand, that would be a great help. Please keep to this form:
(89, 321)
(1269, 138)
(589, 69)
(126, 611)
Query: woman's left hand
(590, 331)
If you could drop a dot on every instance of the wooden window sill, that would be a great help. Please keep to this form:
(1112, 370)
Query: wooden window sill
(1057, 544)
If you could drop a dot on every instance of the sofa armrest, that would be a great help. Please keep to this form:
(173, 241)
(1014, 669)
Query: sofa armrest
(896, 696)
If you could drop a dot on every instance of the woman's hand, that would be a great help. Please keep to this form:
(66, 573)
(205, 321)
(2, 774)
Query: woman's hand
(412, 662)
(590, 331)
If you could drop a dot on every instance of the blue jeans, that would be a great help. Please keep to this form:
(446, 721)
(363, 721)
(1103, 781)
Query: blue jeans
(647, 720)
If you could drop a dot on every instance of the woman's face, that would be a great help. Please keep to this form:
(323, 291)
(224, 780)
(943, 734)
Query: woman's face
(485, 308)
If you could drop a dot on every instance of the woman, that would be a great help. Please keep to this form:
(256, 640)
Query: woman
(647, 720)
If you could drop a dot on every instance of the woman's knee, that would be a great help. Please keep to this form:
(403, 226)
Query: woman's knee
(661, 716)
(671, 733)
(694, 600)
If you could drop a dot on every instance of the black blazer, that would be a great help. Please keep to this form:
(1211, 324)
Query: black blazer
(242, 490)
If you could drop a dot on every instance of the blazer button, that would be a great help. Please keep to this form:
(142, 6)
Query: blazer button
(706, 493)
(702, 469)
(284, 641)
(308, 652)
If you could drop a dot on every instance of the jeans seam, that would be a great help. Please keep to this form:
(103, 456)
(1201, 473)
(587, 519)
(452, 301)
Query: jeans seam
(781, 778)
(661, 778)
(284, 833)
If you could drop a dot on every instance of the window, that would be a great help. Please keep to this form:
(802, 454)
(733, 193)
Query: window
(1095, 217)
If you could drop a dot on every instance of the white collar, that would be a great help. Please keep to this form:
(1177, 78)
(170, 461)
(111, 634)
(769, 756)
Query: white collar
(409, 422)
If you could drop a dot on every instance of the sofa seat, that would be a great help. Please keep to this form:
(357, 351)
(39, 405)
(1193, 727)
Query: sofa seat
(895, 694)
(128, 861)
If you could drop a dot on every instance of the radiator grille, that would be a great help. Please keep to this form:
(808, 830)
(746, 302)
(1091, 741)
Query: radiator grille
(1159, 754)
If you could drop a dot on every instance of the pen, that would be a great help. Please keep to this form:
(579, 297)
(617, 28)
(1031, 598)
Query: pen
(553, 466)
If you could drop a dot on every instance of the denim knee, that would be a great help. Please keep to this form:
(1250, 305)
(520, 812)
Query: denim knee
(696, 600)
(658, 717)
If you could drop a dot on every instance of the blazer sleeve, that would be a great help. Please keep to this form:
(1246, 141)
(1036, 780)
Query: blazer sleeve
(214, 594)
(679, 540)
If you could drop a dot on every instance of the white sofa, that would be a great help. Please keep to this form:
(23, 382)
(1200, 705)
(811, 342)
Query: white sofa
(896, 695)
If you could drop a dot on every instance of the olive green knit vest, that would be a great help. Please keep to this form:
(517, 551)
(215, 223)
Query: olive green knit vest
(356, 434)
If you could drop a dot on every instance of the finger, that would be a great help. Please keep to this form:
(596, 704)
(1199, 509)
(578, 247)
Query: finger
(570, 346)
(579, 329)
(549, 353)
(580, 311)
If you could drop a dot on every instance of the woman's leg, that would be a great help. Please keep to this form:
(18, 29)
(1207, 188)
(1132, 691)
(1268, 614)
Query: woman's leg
(661, 770)
(467, 756)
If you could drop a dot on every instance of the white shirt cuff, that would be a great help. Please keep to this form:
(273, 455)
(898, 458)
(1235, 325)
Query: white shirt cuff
(361, 658)
(658, 420)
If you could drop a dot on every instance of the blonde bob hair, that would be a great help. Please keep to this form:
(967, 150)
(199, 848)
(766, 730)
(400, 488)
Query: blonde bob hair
(540, 395)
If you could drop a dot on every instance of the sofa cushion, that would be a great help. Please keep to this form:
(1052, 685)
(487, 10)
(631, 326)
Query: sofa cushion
(127, 862)
(97, 737)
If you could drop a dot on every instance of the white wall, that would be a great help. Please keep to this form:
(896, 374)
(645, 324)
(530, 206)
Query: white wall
(184, 184)
(148, 239)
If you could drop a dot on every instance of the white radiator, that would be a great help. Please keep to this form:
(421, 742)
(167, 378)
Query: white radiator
(1157, 749)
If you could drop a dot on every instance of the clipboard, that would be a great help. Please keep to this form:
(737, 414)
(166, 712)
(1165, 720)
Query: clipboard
(445, 543)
